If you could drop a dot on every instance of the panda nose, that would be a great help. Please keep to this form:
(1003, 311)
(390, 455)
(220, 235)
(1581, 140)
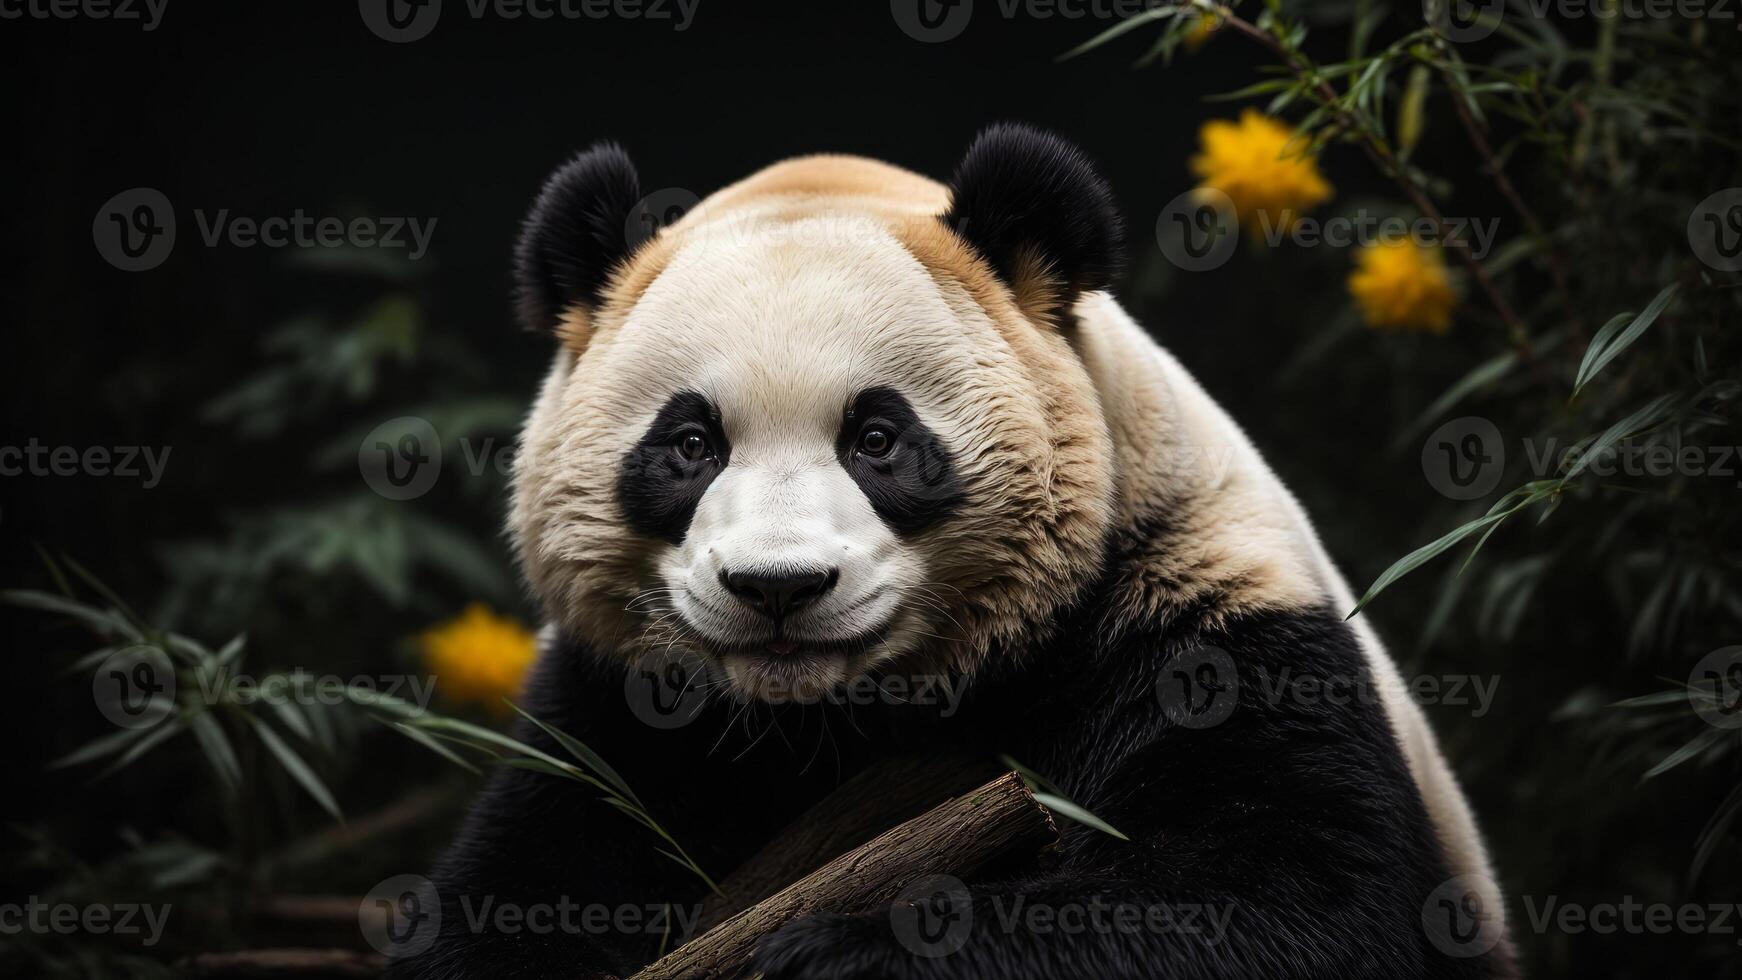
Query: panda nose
(774, 594)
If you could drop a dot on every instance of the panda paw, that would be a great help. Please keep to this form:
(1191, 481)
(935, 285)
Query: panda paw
(834, 947)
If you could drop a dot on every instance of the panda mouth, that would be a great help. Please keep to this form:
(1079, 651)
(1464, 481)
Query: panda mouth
(783, 648)
(787, 669)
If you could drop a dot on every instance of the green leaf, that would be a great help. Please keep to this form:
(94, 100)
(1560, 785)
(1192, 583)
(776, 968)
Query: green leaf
(581, 752)
(216, 745)
(1481, 376)
(105, 621)
(1694, 747)
(1606, 346)
(1647, 417)
(232, 650)
(297, 768)
(157, 735)
(1716, 830)
(1034, 779)
(107, 593)
(1117, 30)
(429, 741)
(99, 747)
(1066, 808)
(292, 717)
(1050, 796)
(1422, 555)
(539, 766)
(1411, 111)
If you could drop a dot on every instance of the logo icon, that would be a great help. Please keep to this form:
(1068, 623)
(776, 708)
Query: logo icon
(656, 212)
(401, 916)
(400, 21)
(1198, 229)
(932, 21)
(1200, 688)
(401, 458)
(1464, 458)
(1463, 21)
(135, 230)
(1715, 230)
(1457, 919)
(1715, 688)
(134, 687)
(667, 693)
(933, 917)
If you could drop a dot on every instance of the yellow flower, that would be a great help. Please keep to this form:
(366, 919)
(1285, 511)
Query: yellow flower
(1400, 285)
(1199, 33)
(1255, 163)
(478, 656)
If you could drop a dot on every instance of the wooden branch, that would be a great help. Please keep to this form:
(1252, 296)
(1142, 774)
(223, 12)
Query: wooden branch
(861, 808)
(973, 831)
(303, 964)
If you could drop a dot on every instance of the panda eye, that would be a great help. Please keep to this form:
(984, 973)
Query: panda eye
(693, 446)
(876, 441)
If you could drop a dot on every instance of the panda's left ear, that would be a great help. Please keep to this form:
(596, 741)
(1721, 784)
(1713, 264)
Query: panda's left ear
(575, 236)
(1039, 213)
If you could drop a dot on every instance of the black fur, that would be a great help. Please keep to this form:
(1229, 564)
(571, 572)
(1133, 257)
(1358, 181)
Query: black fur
(916, 484)
(575, 235)
(1295, 817)
(1020, 188)
(657, 487)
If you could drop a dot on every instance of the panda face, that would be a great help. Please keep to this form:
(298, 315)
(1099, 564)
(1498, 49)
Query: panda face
(804, 434)
(786, 427)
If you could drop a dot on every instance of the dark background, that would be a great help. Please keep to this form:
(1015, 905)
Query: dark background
(263, 109)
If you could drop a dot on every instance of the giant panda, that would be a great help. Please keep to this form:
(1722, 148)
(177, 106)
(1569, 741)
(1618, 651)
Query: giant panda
(843, 421)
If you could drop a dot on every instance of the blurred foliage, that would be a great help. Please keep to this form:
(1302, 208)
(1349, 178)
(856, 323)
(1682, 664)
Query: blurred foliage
(317, 377)
(1592, 334)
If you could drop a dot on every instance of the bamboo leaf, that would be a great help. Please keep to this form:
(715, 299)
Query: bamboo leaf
(1421, 556)
(99, 747)
(155, 736)
(1066, 808)
(1694, 747)
(586, 756)
(297, 768)
(217, 748)
(1120, 29)
(1603, 349)
(429, 742)
(102, 620)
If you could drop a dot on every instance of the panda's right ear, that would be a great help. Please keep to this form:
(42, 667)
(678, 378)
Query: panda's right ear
(575, 236)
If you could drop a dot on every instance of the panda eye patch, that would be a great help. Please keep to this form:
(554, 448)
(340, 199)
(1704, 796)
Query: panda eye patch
(662, 477)
(903, 468)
